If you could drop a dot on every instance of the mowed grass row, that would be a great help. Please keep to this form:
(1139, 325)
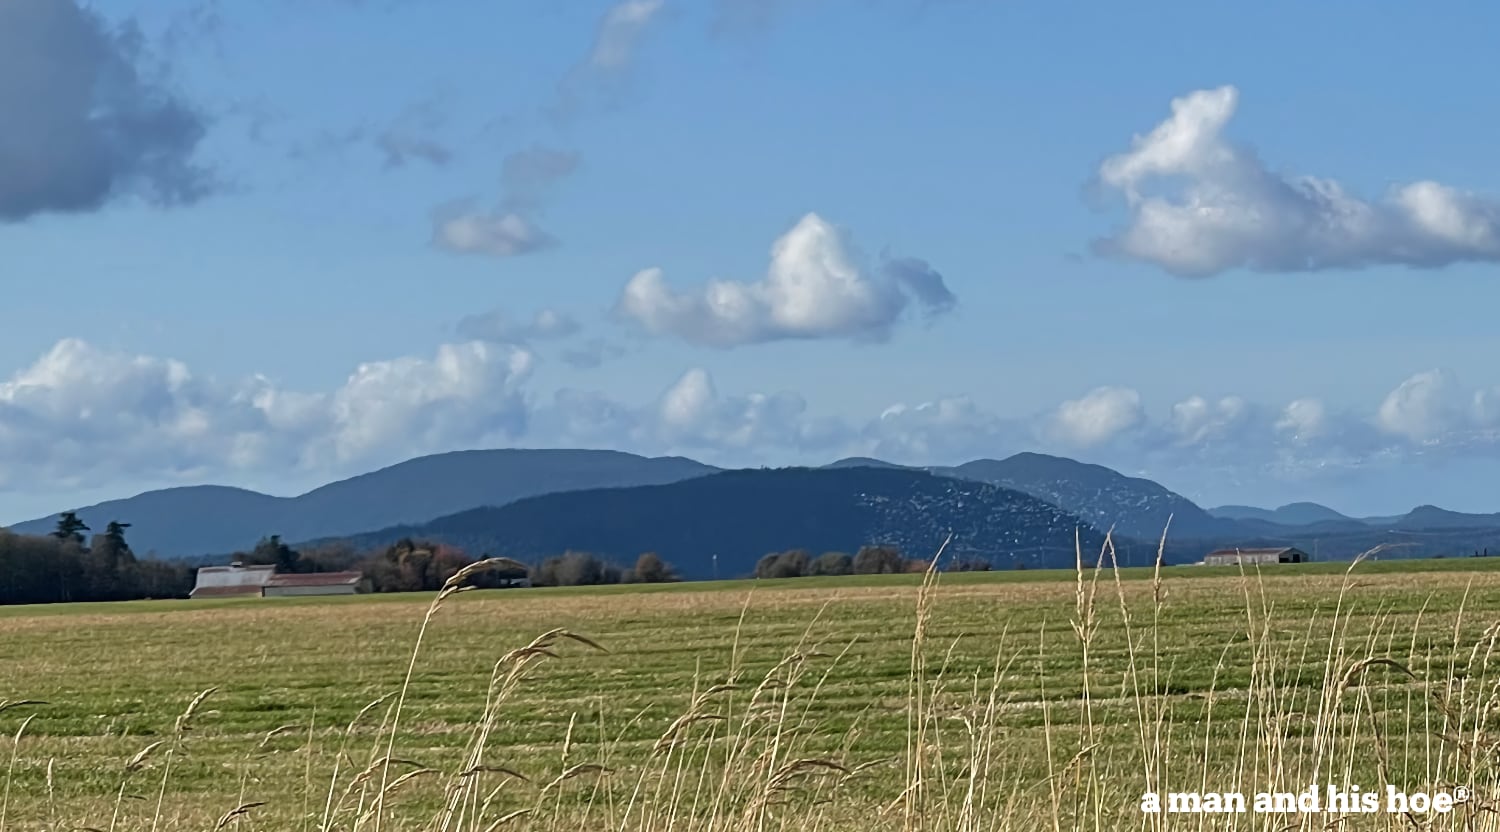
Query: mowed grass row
(1057, 694)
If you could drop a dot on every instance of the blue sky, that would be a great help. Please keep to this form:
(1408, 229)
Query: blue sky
(1243, 250)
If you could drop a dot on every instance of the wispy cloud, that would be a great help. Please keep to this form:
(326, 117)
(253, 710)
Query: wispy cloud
(414, 136)
(463, 227)
(604, 71)
(511, 229)
(499, 327)
(592, 353)
(527, 176)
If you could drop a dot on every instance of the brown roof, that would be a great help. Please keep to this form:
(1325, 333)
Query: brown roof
(315, 579)
(224, 591)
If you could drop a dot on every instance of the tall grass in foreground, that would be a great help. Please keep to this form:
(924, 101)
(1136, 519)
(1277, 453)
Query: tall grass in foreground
(1316, 701)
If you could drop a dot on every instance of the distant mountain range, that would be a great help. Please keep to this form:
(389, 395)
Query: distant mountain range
(541, 500)
(721, 524)
(1432, 517)
(1291, 514)
(209, 519)
(1314, 516)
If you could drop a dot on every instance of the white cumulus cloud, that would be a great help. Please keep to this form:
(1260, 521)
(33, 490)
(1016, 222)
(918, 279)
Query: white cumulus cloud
(470, 389)
(948, 430)
(1099, 416)
(83, 412)
(1303, 420)
(816, 287)
(1424, 407)
(691, 416)
(692, 413)
(83, 416)
(1196, 420)
(1200, 204)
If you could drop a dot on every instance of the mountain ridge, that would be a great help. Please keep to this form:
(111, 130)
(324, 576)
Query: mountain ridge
(1133, 506)
(229, 519)
(733, 517)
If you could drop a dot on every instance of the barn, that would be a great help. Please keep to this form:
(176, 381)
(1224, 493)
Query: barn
(240, 581)
(233, 581)
(1255, 557)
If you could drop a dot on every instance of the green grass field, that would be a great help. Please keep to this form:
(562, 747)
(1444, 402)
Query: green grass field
(1025, 700)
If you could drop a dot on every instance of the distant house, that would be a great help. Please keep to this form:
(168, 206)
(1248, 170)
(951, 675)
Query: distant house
(1254, 557)
(240, 581)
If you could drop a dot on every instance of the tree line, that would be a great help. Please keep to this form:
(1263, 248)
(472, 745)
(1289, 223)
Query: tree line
(70, 565)
(586, 569)
(870, 560)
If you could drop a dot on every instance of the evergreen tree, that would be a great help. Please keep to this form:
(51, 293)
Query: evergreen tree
(109, 551)
(114, 540)
(271, 550)
(70, 527)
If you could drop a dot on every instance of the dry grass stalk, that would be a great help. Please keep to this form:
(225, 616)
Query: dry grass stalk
(804, 766)
(577, 771)
(15, 752)
(276, 732)
(237, 812)
(138, 761)
(184, 722)
(507, 818)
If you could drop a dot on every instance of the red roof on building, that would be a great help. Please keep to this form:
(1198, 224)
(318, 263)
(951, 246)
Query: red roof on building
(225, 591)
(315, 579)
(1278, 550)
